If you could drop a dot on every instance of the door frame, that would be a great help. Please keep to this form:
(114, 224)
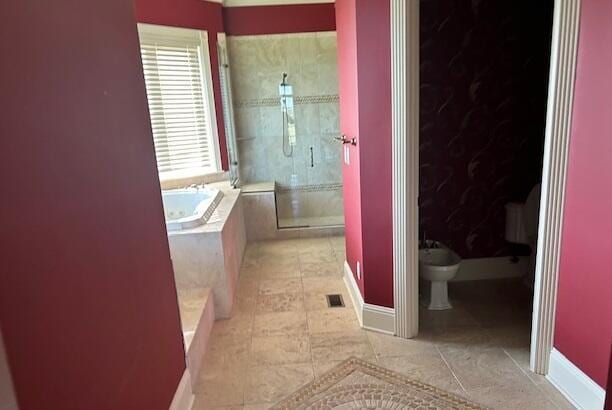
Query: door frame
(405, 135)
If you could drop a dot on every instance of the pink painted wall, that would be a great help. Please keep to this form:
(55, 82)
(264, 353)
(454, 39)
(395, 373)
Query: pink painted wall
(295, 18)
(374, 45)
(88, 307)
(346, 30)
(365, 113)
(583, 330)
(196, 14)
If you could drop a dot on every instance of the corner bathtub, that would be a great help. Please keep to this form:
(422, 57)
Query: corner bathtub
(189, 208)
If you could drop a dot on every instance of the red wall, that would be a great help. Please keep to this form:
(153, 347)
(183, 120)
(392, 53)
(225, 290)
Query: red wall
(346, 21)
(583, 330)
(87, 301)
(299, 18)
(365, 112)
(374, 40)
(196, 14)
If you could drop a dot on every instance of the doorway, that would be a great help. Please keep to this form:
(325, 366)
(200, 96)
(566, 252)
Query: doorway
(405, 35)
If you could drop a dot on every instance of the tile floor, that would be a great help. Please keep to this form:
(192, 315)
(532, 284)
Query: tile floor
(283, 335)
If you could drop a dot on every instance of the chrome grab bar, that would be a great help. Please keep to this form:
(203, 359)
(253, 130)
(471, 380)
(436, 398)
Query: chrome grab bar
(345, 140)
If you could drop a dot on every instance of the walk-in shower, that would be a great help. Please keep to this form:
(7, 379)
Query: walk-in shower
(285, 91)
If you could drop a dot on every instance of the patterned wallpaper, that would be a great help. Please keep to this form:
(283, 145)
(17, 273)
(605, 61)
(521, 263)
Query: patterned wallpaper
(484, 74)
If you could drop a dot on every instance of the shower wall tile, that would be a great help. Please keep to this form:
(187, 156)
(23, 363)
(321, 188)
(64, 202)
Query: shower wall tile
(307, 122)
(271, 122)
(329, 117)
(245, 116)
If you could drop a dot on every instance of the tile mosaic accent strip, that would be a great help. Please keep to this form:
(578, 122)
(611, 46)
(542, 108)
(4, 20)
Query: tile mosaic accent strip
(308, 188)
(275, 101)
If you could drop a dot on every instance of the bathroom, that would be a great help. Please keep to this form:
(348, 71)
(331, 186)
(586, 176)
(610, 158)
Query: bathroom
(484, 73)
(272, 123)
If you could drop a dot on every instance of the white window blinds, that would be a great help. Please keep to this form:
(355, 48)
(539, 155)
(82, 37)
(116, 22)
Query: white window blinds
(179, 93)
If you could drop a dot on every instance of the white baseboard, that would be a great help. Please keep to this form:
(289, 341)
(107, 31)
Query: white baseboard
(183, 397)
(371, 317)
(491, 268)
(354, 292)
(574, 384)
(379, 318)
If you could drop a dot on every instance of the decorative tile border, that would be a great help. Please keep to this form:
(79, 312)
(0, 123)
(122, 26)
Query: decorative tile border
(275, 101)
(308, 188)
(388, 390)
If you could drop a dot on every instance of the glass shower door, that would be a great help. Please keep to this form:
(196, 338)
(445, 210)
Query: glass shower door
(228, 109)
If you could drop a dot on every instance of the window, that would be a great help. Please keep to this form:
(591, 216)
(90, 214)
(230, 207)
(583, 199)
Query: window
(176, 67)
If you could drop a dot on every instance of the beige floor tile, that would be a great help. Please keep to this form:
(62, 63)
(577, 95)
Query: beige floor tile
(283, 323)
(273, 272)
(241, 323)
(321, 269)
(438, 376)
(386, 345)
(518, 336)
(321, 256)
(338, 346)
(273, 247)
(258, 406)
(247, 286)
(457, 337)
(518, 395)
(340, 255)
(553, 394)
(332, 320)
(306, 245)
(337, 242)
(279, 286)
(226, 351)
(199, 403)
(270, 261)
(414, 361)
(273, 383)
(282, 302)
(244, 305)
(220, 386)
(481, 367)
(323, 285)
(284, 349)
(320, 368)
(444, 319)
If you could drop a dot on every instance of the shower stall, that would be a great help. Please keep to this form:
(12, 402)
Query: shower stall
(285, 105)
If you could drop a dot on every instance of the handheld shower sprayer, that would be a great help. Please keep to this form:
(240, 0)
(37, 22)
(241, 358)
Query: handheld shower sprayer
(286, 99)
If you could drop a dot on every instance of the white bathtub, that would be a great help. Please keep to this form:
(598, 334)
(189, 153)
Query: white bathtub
(189, 208)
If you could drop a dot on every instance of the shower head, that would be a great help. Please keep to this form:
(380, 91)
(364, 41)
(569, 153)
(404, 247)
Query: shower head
(284, 79)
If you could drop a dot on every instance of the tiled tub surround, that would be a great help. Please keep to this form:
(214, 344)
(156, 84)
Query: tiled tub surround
(209, 256)
(257, 65)
(282, 335)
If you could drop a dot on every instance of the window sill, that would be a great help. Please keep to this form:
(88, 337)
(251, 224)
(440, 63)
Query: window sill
(183, 181)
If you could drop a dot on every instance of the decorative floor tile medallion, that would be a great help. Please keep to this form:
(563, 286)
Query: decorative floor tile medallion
(356, 384)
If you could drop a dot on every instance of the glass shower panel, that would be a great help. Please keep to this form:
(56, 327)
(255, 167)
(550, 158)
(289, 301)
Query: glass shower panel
(228, 109)
(286, 105)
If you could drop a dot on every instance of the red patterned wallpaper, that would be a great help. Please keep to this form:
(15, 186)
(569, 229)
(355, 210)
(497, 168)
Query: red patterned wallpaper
(484, 74)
